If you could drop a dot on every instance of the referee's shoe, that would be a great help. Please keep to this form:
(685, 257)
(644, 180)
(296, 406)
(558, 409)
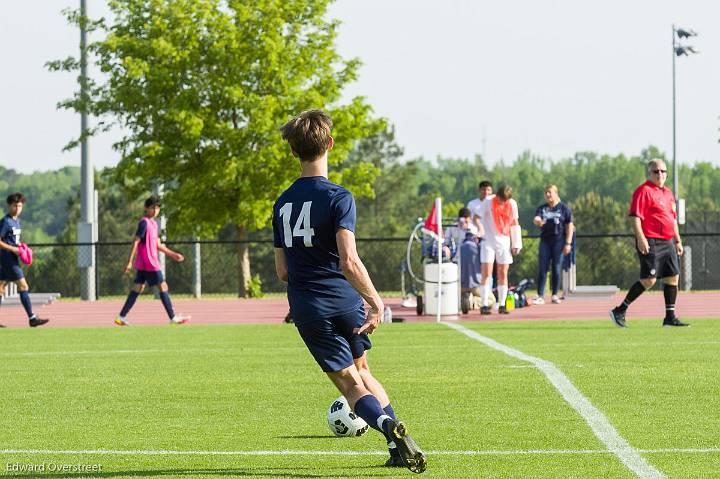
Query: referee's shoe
(673, 322)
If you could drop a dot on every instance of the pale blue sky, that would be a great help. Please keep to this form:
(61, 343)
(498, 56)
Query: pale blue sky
(554, 77)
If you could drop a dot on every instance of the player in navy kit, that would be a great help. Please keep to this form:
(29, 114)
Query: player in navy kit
(315, 253)
(10, 270)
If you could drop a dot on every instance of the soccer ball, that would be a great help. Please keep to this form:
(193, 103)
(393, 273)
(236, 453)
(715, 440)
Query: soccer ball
(342, 421)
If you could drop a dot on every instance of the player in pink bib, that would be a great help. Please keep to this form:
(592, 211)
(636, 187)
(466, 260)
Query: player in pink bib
(146, 245)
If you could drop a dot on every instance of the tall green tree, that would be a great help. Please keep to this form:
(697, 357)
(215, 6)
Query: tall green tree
(199, 89)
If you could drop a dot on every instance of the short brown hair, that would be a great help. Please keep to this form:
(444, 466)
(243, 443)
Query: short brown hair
(308, 134)
(505, 192)
(15, 198)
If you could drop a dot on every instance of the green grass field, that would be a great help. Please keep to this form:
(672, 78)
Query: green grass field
(476, 411)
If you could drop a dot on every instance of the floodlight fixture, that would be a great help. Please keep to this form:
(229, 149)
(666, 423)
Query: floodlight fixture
(682, 33)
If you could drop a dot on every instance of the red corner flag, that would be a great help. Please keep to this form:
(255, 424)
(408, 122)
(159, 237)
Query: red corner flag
(431, 225)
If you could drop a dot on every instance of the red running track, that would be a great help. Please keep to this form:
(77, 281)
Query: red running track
(264, 311)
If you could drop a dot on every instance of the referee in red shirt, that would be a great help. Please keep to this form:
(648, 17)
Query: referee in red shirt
(657, 240)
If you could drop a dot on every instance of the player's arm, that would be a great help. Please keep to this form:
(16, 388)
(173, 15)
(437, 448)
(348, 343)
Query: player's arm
(133, 250)
(8, 247)
(515, 222)
(4, 245)
(281, 265)
(356, 274)
(478, 224)
(173, 254)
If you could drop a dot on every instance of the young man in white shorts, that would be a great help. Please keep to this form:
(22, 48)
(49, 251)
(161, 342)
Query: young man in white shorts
(498, 214)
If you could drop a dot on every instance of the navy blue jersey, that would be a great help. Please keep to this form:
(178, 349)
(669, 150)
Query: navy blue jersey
(141, 230)
(305, 219)
(556, 220)
(10, 234)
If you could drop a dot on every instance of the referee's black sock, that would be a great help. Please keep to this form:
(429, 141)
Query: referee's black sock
(670, 293)
(635, 291)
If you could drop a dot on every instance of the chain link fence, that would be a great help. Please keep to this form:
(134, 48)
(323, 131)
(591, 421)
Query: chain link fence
(601, 259)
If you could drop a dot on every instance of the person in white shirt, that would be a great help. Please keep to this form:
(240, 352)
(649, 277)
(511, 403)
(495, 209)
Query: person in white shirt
(485, 190)
(458, 231)
(497, 215)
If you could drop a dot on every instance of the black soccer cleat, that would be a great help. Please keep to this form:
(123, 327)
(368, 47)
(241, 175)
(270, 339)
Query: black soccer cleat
(503, 310)
(2, 326)
(618, 317)
(394, 460)
(35, 322)
(410, 454)
(673, 322)
(485, 310)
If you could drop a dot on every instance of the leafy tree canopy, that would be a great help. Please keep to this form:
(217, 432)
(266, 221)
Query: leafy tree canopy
(200, 88)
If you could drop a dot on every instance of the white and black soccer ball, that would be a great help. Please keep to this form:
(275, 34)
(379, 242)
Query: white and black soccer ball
(342, 421)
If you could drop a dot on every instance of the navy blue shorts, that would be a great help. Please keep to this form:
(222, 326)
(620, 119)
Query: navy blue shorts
(10, 272)
(153, 278)
(331, 340)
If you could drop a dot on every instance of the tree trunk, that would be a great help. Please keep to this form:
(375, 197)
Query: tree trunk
(243, 252)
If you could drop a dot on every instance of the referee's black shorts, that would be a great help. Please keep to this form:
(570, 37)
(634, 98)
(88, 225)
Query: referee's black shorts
(661, 261)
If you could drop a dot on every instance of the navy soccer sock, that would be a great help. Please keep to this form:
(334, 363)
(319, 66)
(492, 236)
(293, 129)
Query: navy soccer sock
(635, 291)
(165, 298)
(670, 293)
(390, 412)
(368, 408)
(129, 302)
(25, 300)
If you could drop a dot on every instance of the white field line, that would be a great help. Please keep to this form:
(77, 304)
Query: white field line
(520, 452)
(597, 421)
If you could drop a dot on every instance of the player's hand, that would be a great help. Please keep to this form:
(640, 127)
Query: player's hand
(127, 268)
(15, 250)
(372, 321)
(566, 249)
(679, 248)
(515, 251)
(643, 245)
(179, 258)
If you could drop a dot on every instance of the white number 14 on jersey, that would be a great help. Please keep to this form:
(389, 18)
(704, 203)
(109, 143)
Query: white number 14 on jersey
(302, 225)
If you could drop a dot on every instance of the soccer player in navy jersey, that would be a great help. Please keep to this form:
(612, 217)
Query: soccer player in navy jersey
(10, 270)
(315, 253)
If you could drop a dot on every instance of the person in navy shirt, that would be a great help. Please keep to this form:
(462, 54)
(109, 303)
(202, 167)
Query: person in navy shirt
(10, 270)
(315, 253)
(556, 222)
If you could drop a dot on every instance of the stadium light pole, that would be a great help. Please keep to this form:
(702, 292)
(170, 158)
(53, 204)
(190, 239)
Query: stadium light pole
(87, 228)
(678, 50)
